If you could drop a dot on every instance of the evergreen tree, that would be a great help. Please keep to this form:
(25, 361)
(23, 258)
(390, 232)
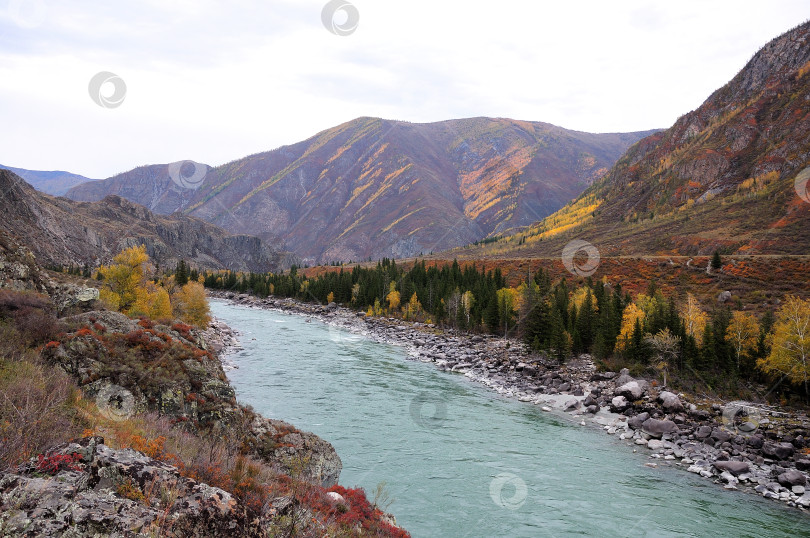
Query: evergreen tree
(181, 273)
(717, 262)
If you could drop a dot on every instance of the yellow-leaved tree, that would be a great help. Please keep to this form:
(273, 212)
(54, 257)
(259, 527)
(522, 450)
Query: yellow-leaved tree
(743, 333)
(413, 308)
(629, 317)
(393, 299)
(790, 342)
(191, 305)
(694, 318)
(125, 277)
(152, 301)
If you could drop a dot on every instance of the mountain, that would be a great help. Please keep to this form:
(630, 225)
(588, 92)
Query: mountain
(61, 232)
(374, 188)
(730, 176)
(55, 182)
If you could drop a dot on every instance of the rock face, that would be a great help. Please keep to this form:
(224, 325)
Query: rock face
(63, 232)
(19, 271)
(195, 392)
(85, 488)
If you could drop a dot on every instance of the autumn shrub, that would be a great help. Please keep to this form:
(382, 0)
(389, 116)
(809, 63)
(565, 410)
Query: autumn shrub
(31, 314)
(36, 409)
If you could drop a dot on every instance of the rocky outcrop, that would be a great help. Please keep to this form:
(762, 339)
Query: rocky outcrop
(169, 371)
(85, 488)
(63, 232)
(19, 271)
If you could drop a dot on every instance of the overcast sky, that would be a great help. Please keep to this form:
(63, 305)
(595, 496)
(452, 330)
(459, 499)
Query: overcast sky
(214, 81)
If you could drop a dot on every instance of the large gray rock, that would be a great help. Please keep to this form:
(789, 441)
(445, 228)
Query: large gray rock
(780, 451)
(624, 377)
(619, 404)
(792, 478)
(657, 428)
(720, 435)
(703, 432)
(636, 421)
(734, 467)
(632, 390)
(670, 402)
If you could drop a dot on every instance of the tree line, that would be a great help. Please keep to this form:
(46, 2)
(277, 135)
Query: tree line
(648, 333)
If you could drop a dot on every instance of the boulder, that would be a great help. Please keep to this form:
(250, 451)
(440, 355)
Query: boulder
(571, 404)
(670, 402)
(803, 465)
(703, 432)
(619, 404)
(655, 444)
(791, 478)
(636, 421)
(724, 297)
(755, 442)
(720, 435)
(632, 390)
(624, 377)
(780, 451)
(657, 428)
(734, 467)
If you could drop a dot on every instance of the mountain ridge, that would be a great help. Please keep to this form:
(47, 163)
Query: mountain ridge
(53, 182)
(723, 177)
(63, 232)
(381, 188)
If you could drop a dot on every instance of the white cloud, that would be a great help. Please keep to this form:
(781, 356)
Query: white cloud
(214, 81)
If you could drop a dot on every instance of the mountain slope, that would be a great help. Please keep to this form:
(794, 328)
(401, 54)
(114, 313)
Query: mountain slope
(54, 182)
(374, 188)
(60, 231)
(731, 175)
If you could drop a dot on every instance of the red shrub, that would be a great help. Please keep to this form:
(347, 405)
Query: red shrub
(58, 462)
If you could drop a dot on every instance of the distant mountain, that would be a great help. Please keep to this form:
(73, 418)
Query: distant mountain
(56, 182)
(730, 176)
(60, 231)
(372, 188)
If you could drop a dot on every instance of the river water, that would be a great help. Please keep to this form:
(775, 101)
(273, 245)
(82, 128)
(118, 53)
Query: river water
(458, 459)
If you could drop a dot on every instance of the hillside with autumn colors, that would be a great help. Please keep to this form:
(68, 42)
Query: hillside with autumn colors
(729, 176)
(372, 188)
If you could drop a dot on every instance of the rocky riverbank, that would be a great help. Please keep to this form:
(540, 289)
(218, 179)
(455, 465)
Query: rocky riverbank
(738, 445)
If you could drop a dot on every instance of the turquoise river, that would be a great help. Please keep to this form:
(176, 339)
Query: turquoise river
(458, 459)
